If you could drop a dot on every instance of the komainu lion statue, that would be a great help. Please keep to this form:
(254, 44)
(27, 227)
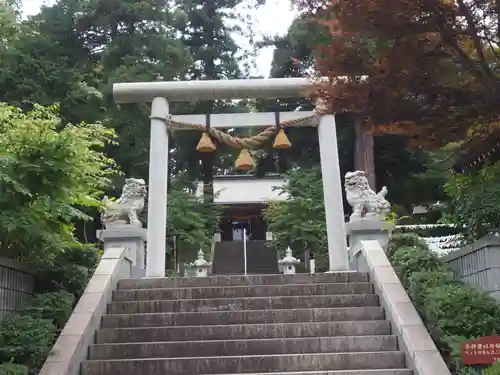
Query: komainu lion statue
(365, 203)
(126, 209)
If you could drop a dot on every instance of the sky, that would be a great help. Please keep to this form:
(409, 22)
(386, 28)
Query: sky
(272, 19)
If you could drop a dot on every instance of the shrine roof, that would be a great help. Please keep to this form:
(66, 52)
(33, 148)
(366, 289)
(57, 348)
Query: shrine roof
(249, 177)
(246, 189)
(473, 154)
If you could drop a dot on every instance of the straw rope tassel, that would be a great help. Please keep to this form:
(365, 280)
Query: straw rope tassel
(245, 161)
(205, 144)
(281, 140)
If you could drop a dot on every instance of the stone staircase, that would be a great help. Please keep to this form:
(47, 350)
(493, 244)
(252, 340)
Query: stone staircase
(328, 324)
(261, 259)
(229, 258)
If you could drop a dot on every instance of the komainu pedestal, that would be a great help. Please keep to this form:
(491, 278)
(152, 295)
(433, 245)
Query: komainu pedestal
(122, 227)
(370, 209)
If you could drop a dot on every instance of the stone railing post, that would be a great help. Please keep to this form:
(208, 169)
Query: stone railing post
(129, 237)
(366, 230)
(369, 209)
(122, 227)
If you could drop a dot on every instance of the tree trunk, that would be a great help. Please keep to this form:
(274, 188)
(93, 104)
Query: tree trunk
(497, 6)
(364, 159)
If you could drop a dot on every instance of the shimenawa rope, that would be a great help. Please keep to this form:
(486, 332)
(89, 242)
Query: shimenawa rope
(237, 142)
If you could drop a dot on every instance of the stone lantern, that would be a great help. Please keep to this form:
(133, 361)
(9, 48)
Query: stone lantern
(200, 265)
(288, 262)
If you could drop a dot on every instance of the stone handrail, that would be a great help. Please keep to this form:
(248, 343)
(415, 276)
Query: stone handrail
(72, 344)
(422, 356)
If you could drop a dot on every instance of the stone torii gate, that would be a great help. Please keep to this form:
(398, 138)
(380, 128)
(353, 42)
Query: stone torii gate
(160, 93)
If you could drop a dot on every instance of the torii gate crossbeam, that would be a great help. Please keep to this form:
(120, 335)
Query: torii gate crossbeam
(159, 93)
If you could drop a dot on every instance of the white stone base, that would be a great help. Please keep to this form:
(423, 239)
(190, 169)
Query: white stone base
(153, 277)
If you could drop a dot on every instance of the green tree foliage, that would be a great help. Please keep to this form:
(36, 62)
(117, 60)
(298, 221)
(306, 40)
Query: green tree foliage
(475, 200)
(206, 27)
(471, 198)
(131, 41)
(45, 63)
(299, 221)
(191, 219)
(291, 58)
(74, 51)
(8, 25)
(395, 161)
(211, 44)
(48, 174)
(71, 53)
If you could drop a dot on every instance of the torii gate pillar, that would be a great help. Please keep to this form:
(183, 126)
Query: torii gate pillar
(157, 189)
(338, 258)
(159, 92)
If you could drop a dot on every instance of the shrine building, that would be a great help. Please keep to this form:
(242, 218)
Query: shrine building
(244, 198)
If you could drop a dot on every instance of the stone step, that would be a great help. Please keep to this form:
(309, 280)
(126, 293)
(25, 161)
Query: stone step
(243, 291)
(240, 280)
(339, 372)
(261, 258)
(246, 331)
(228, 258)
(243, 317)
(244, 347)
(253, 303)
(240, 364)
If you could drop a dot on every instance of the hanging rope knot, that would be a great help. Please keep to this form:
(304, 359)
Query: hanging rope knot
(205, 144)
(281, 141)
(321, 106)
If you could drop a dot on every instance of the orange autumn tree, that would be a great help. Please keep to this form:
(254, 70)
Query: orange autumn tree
(424, 68)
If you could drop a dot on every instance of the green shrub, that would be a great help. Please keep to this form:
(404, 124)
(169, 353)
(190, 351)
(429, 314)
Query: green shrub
(451, 310)
(70, 271)
(12, 369)
(493, 369)
(56, 307)
(86, 256)
(420, 283)
(408, 260)
(400, 240)
(25, 339)
(469, 371)
(460, 310)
